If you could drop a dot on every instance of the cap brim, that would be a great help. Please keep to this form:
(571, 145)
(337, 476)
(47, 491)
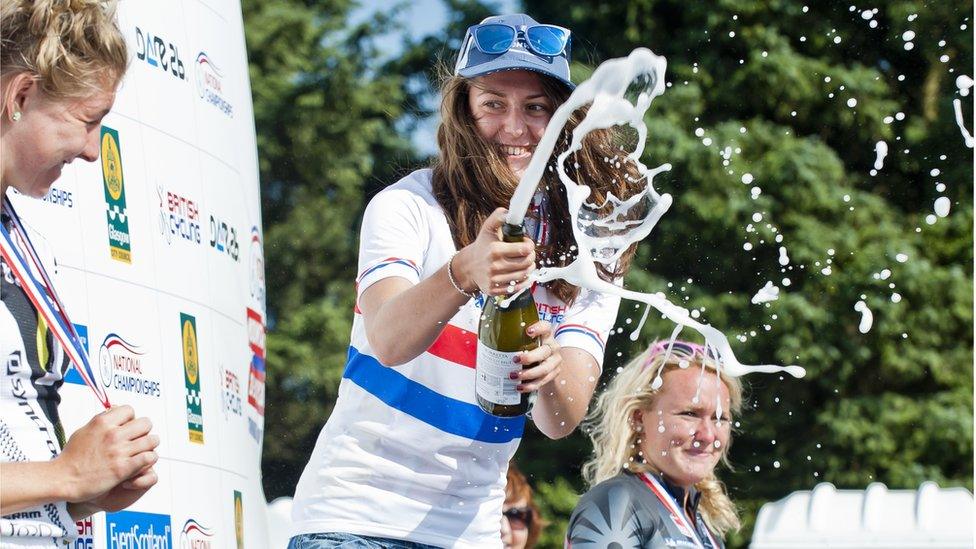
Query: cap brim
(514, 61)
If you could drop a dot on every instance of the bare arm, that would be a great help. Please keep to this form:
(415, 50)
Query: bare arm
(563, 402)
(112, 448)
(565, 378)
(29, 484)
(402, 319)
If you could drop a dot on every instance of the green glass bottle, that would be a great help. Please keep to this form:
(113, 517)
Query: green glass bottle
(501, 336)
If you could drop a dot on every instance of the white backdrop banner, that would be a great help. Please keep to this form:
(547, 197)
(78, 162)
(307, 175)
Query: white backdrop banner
(156, 250)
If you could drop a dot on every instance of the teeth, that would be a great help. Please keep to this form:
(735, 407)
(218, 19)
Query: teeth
(514, 151)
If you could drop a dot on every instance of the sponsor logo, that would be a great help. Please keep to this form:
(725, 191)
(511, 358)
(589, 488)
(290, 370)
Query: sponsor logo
(553, 314)
(191, 377)
(210, 84)
(86, 535)
(256, 373)
(120, 363)
(72, 375)
(159, 53)
(59, 197)
(239, 519)
(131, 529)
(257, 268)
(179, 217)
(119, 240)
(231, 394)
(29, 530)
(195, 536)
(18, 376)
(223, 238)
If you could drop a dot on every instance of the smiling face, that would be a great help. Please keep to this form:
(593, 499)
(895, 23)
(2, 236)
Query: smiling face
(51, 133)
(681, 436)
(511, 111)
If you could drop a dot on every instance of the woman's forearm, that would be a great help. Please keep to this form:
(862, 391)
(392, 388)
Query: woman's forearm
(27, 484)
(562, 403)
(403, 320)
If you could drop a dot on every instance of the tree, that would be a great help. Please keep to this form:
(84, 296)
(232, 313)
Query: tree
(790, 94)
(326, 133)
(770, 87)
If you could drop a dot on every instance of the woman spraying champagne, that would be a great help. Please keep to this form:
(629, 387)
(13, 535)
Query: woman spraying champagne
(501, 337)
(408, 457)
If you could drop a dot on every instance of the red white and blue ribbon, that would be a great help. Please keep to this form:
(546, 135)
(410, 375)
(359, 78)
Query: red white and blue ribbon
(677, 514)
(19, 254)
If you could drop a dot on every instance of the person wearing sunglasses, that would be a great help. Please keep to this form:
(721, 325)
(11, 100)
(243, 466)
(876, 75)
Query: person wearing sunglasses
(667, 418)
(521, 522)
(408, 458)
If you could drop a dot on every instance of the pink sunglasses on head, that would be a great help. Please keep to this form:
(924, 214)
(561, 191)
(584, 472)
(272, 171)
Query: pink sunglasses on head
(683, 347)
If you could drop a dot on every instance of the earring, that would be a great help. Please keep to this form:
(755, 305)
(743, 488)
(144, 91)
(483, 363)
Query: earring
(15, 116)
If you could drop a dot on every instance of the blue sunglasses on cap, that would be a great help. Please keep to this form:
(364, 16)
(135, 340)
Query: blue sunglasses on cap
(498, 38)
(514, 42)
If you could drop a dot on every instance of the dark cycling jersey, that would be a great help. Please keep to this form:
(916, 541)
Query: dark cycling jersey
(625, 513)
(32, 365)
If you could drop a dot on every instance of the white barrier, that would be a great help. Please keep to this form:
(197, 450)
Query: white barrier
(875, 517)
(159, 261)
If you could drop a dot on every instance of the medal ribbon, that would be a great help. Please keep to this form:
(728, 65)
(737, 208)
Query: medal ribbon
(677, 514)
(22, 260)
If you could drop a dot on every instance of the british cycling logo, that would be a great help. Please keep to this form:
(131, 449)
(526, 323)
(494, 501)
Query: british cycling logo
(157, 52)
(231, 394)
(120, 363)
(223, 238)
(195, 536)
(210, 84)
(128, 529)
(179, 217)
(119, 240)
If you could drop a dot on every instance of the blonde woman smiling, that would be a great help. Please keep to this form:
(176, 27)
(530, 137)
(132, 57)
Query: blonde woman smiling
(659, 431)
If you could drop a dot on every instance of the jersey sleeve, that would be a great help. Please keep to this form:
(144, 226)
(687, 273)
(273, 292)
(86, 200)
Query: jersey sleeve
(587, 323)
(607, 516)
(392, 240)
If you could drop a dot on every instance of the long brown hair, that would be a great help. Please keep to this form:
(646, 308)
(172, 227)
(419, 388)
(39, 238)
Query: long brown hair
(471, 178)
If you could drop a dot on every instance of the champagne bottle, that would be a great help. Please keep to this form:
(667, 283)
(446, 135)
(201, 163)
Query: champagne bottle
(501, 336)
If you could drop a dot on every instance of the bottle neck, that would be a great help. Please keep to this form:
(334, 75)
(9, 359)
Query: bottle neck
(512, 233)
(515, 233)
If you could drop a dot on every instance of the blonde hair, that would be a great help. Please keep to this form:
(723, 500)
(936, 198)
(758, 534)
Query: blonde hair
(72, 47)
(610, 425)
(471, 178)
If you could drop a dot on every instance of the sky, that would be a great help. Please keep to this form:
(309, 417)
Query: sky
(421, 17)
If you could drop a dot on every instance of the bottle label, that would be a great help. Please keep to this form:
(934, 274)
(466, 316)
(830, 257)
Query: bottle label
(493, 370)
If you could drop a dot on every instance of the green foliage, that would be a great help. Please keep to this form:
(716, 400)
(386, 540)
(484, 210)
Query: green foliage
(326, 131)
(893, 405)
(556, 501)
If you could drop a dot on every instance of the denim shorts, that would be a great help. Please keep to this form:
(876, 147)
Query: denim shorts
(338, 540)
